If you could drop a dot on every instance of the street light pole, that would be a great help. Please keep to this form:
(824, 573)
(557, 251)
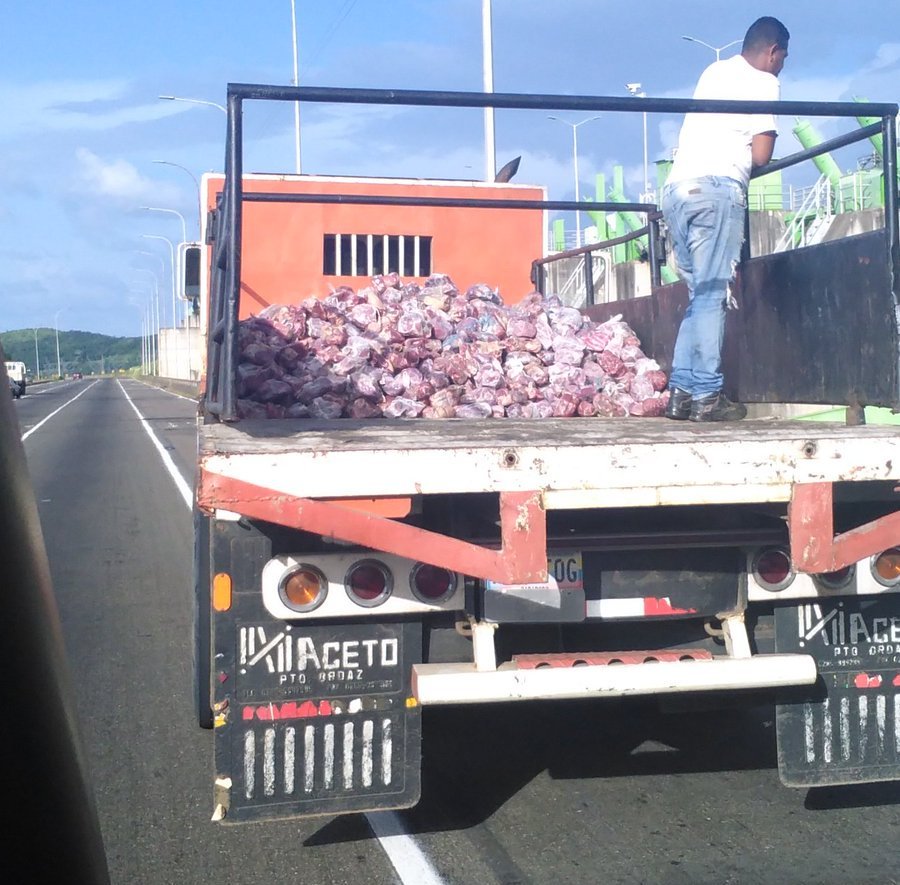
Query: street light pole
(172, 260)
(154, 303)
(487, 63)
(575, 168)
(296, 83)
(56, 325)
(37, 358)
(211, 104)
(196, 184)
(171, 212)
(183, 240)
(717, 49)
(635, 90)
(154, 341)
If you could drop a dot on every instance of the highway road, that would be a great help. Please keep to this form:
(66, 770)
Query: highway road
(578, 793)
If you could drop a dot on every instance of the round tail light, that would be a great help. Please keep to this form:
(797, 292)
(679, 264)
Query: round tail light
(368, 582)
(772, 569)
(886, 567)
(837, 580)
(303, 588)
(432, 584)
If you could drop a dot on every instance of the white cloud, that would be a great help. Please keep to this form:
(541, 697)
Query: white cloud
(118, 180)
(79, 105)
(886, 56)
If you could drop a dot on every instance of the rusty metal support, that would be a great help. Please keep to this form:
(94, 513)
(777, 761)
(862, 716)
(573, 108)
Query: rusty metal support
(815, 549)
(522, 557)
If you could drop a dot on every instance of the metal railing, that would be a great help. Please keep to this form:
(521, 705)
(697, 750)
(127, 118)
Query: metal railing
(811, 218)
(226, 272)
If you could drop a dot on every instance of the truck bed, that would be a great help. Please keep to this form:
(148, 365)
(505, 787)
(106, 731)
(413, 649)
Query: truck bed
(575, 463)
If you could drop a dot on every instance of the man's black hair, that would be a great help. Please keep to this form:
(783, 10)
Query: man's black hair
(765, 32)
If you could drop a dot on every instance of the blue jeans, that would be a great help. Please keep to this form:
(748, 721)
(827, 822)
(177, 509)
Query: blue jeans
(705, 218)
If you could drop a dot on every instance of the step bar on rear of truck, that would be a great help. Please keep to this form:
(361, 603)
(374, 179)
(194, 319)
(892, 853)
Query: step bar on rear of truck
(464, 684)
(607, 674)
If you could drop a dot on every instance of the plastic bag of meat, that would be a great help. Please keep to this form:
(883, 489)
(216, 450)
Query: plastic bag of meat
(389, 344)
(363, 408)
(365, 382)
(413, 323)
(403, 407)
(260, 354)
(327, 406)
(474, 410)
(521, 326)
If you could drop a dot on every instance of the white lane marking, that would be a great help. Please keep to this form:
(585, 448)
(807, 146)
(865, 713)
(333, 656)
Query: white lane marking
(169, 464)
(56, 411)
(170, 392)
(407, 859)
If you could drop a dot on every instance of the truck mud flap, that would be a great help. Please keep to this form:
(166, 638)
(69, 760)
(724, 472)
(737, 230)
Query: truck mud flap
(315, 719)
(846, 728)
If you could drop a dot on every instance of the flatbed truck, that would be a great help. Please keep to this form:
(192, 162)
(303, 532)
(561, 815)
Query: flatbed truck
(352, 573)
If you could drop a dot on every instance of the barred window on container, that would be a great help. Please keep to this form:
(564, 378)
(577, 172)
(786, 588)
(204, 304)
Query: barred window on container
(362, 255)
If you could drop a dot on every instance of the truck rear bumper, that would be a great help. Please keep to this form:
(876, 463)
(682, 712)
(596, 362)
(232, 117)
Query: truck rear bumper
(462, 684)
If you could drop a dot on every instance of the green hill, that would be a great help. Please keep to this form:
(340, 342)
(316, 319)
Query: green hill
(85, 352)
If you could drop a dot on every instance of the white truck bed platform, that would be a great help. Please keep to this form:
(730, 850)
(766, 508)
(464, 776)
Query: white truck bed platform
(573, 462)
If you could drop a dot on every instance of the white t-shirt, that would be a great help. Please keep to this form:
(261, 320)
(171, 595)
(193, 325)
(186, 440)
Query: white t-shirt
(719, 144)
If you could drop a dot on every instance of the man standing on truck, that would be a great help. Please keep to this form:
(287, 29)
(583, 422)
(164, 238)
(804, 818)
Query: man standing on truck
(704, 201)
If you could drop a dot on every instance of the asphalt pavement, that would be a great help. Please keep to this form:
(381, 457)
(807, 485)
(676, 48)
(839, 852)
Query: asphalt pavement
(614, 792)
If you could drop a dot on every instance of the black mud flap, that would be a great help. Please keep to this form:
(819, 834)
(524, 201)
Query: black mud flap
(315, 719)
(846, 728)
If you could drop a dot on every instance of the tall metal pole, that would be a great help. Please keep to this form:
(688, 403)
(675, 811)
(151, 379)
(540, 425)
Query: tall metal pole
(635, 89)
(196, 184)
(37, 358)
(211, 104)
(646, 175)
(487, 52)
(577, 191)
(575, 168)
(717, 49)
(154, 303)
(183, 240)
(172, 260)
(56, 324)
(296, 83)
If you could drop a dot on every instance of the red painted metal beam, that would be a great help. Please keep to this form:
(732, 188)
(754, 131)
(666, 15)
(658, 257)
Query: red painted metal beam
(522, 557)
(814, 546)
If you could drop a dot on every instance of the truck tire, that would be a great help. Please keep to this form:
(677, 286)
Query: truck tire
(202, 622)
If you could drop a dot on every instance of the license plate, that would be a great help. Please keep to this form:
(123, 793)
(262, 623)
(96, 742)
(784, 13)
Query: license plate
(567, 569)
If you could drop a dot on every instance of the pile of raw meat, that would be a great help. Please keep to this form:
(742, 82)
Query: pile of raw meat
(432, 351)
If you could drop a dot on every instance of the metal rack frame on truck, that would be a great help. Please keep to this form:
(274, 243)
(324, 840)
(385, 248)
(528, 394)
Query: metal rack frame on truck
(351, 572)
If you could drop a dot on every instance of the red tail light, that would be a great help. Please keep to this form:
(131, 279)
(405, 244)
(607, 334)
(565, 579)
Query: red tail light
(838, 579)
(368, 582)
(432, 584)
(772, 569)
(886, 567)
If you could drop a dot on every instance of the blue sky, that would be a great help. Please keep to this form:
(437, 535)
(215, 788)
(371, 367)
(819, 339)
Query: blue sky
(83, 129)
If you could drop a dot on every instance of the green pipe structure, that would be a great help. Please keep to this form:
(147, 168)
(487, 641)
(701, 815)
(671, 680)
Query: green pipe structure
(809, 138)
(876, 140)
(599, 218)
(559, 235)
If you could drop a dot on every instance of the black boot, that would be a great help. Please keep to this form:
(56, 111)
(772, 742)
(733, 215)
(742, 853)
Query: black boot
(679, 407)
(716, 407)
